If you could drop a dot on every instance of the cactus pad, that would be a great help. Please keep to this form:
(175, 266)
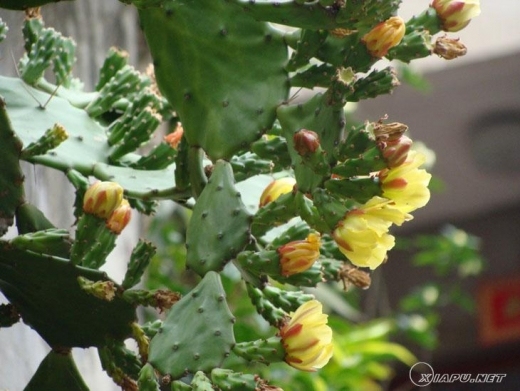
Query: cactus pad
(223, 75)
(219, 226)
(46, 293)
(197, 334)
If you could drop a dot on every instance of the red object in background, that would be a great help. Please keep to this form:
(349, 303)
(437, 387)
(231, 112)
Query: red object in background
(499, 311)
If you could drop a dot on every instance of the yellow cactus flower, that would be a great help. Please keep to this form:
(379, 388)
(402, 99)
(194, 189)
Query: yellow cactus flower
(102, 198)
(275, 189)
(120, 217)
(299, 255)
(363, 234)
(456, 14)
(306, 338)
(384, 36)
(407, 185)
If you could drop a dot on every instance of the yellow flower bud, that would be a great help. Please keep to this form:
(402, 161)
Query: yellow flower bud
(306, 338)
(299, 255)
(120, 217)
(275, 189)
(384, 36)
(456, 14)
(102, 198)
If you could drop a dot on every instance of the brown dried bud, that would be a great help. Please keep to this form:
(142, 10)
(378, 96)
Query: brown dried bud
(165, 299)
(352, 275)
(389, 132)
(341, 32)
(449, 48)
(306, 142)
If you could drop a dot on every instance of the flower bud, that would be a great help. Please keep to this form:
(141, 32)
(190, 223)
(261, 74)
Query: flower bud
(456, 14)
(449, 48)
(120, 217)
(384, 36)
(275, 189)
(299, 255)
(306, 338)
(306, 142)
(175, 137)
(102, 198)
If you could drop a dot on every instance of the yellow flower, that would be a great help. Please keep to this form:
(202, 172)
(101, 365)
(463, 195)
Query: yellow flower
(299, 255)
(407, 185)
(306, 338)
(275, 189)
(384, 36)
(363, 234)
(102, 198)
(456, 14)
(120, 217)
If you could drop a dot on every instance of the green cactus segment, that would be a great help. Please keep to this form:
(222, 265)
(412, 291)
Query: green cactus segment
(31, 29)
(314, 76)
(93, 242)
(248, 165)
(264, 351)
(272, 314)
(317, 115)
(40, 56)
(124, 82)
(147, 380)
(427, 20)
(227, 380)
(51, 241)
(30, 219)
(287, 300)
(45, 291)
(332, 209)
(366, 163)
(162, 156)
(178, 385)
(274, 213)
(11, 176)
(377, 82)
(223, 108)
(261, 263)
(64, 61)
(201, 382)
(219, 226)
(85, 150)
(360, 189)
(415, 45)
(139, 261)
(132, 122)
(57, 372)
(309, 278)
(298, 231)
(197, 334)
(122, 357)
(307, 47)
(273, 148)
(115, 61)
(51, 139)
(21, 5)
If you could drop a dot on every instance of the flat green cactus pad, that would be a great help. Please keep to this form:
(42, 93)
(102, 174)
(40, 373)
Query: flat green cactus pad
(219, 226)
(222, 71)
(197, 334)
(86, 148)
(45, 291)
(57, 372)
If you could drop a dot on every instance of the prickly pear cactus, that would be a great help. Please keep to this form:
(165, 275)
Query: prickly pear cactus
(318, 192)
